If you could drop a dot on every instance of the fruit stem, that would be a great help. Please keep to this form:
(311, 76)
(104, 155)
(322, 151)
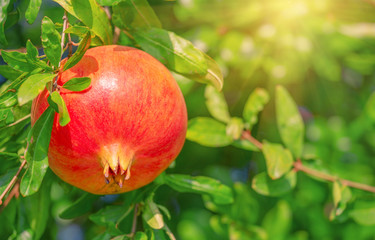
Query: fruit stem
(298, 166)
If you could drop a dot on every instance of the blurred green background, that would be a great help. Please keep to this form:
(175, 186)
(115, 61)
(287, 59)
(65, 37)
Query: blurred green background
(323, 51)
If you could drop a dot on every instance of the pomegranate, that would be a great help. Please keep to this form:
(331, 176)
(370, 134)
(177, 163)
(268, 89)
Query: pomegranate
(125, 129)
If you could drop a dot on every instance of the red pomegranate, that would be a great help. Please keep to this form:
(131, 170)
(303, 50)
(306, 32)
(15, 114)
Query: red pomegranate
(125, 129)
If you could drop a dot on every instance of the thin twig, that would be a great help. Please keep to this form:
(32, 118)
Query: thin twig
(134, 225)
(17, 122)
(15, 192)
(12, 181)
(65, 26)
(298, 166)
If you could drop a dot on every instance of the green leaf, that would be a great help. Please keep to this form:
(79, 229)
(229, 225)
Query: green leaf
(370, 107)
(110, 216)
(13, 17)
(32, 57)
(32, 10)
(216, 104)
(107, 2)
(289, 121)
(264, 185)
(81, 206)
(38, 208)
(208, 132)
(17, 61)
(151, 214)
(37, 153)
(237, 232)
(179, 55)
(77, 56)
(245, 144)
(254, 105)
(63, 113)
(278, 160)
(3, 18)
(51, 41)
(220, 193)
(214, 76)
(32, 51)
(9, 73)
(32, 86)
(6, 178)
(277, 221)
(77, 84)
(80, 31)
(5, 156)
(235, 128)
(8, 97)
(140, 236)
(134, 13)
(363, 213)
(92, 15)
(6, 116)
(341, 196)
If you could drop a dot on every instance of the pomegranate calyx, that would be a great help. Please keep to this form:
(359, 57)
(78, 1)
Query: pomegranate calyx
(116, 162)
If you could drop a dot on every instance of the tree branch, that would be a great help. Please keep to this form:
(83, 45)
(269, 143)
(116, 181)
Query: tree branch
(298, 166)
(14, 179)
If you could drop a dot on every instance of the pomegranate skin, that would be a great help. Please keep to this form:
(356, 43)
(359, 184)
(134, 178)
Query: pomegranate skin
(125, 129)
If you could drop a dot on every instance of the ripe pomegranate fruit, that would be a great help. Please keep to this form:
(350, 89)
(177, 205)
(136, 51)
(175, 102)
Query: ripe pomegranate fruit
(124, 130)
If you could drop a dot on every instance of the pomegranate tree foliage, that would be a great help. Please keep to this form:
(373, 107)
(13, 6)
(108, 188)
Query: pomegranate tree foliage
(257, 163)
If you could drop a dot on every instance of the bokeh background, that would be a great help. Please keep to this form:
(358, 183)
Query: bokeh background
(323, 52)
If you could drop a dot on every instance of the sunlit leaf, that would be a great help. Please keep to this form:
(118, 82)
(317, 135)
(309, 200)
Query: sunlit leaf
(151, 214)
(245, 144)
(278, 160)
(220, 193)
(77, 56)
(252, 232)
(216, 104)
(179, 55)
(264, 185)
(32, 10)
(107, 2)
(235, 128)
(140, 236)
(51, 41)
(289, 121)
(363, 213)
(81, 206)
(3, 18)
(63, 113)
(254, 104)
(92, 15)
(37, 153)
(77, 84)
(80, 31)
(341, 196)
(214, 76)
(32, 86)
(134, 13)
(277, 222)
(208, 132)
